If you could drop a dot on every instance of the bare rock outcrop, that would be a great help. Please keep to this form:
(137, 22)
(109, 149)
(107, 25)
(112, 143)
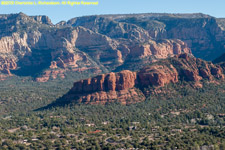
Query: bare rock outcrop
(106, 82)
(128, 87)
(107, 88)
(204, 34)
(161, 49)
(109, 42)
(157, 75)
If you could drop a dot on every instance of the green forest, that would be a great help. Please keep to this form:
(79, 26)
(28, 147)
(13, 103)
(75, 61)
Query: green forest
(180, 118)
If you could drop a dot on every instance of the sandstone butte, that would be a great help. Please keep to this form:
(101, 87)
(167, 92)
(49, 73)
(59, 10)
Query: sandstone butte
(126, 87)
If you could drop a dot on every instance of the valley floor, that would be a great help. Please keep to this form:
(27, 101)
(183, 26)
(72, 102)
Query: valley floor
(184, 118)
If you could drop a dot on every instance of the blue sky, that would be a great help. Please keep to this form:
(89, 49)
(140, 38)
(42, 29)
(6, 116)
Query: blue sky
(58, 13)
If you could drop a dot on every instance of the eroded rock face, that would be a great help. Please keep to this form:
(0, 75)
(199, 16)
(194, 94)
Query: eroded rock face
(157, 75)
(160, 50)
(107, 88)
(33, 51)
(124, 97)
(110, 27)
(109, 42)
(51, 74)
(34, 42)
(128, 87)
(106, 82)
(7, 64)
(202, 33)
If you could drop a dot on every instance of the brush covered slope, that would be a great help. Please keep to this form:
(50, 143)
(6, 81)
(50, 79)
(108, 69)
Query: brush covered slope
(128, 87)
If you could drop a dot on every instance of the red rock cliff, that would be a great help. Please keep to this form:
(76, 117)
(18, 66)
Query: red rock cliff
(112, 87)
(126, 86)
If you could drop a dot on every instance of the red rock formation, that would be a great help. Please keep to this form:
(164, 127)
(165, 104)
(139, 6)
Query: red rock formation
(74, 48)
(159, 50)
(126, 86)
(106, 88)
(51, 74)
(217, 71)
(124, 97)
(157, 75)
(106, 82)
(7, 64)
(109, 41)
(191, 75)
(53, 65)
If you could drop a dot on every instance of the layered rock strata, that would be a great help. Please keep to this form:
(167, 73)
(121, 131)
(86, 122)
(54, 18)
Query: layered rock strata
(127, 87)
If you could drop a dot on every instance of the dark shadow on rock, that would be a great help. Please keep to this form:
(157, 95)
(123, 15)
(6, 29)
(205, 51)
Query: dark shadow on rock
(33, 64)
